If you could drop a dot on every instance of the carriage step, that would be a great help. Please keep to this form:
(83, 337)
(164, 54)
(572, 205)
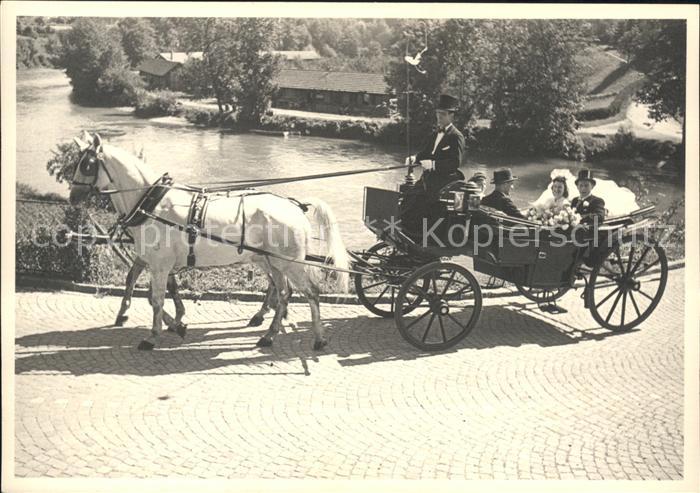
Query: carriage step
(553, 309)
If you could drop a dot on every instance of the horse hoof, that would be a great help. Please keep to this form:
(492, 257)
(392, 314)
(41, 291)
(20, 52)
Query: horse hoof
(264, 342)
(180, 329)
(320, 344)
(146, 346)
(119, 322)
(256, 321)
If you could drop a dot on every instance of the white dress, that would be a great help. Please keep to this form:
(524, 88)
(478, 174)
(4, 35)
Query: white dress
(618, 200)
(547, 201)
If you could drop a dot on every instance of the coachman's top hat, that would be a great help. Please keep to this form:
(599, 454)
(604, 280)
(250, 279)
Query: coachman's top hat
(447, 103)
(585, 174)
(503, 176)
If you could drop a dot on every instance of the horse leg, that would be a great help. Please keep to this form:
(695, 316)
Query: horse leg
(134, 273)
(306, 281)
(159, 281)
(280, 285)
(175, 325)
(258, 318)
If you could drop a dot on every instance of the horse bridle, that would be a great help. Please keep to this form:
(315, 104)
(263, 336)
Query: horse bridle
(89, 165)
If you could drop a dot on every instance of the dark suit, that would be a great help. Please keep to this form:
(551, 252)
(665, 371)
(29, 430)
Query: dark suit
(422, 202)
(501, 202)
(594, 207)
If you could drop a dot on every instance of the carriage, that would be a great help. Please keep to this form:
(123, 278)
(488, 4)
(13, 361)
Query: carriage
(436, 302)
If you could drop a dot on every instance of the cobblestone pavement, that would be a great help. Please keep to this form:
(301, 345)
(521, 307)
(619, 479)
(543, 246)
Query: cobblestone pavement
(527, 395)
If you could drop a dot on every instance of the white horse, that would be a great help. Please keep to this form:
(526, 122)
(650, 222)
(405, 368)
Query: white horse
(263, 221)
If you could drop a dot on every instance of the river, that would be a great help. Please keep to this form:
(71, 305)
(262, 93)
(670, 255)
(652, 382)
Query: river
(46, 117)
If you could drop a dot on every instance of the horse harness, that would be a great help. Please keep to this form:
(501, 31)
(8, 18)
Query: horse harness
(196, 215)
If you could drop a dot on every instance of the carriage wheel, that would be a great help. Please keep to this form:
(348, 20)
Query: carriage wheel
(449, 309)
(627, 284)
(378, 292)
(541, 295)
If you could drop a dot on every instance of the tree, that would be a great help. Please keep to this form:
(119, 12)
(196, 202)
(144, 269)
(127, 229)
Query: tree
(256, 69)
(138, 39)
(537, 89)
(469, 51)
(662, 57)
(91, 50)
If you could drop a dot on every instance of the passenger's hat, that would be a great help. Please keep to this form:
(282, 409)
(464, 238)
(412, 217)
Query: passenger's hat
(448, 103)
(503, 176)
(585, 174)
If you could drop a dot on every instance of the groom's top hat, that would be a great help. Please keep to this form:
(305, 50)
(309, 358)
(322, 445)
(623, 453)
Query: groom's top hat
(585, 174)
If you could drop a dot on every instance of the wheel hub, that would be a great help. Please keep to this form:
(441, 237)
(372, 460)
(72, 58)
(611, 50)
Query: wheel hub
(440, 307)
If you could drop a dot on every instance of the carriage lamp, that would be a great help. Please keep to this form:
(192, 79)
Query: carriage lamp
(474, 202)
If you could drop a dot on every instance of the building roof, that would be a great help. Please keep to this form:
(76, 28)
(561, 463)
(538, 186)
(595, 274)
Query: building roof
(332, 81)
(297, 55)
(179, 56)
(182, 56)
(156, 66)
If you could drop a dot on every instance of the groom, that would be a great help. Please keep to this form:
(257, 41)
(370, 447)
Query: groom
(590, 207)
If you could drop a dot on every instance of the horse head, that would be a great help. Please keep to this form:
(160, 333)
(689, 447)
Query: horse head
(90, 173)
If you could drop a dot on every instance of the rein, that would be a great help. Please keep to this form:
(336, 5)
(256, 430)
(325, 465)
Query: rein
(234, 185)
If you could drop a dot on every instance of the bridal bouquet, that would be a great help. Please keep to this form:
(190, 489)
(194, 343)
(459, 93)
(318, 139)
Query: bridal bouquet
(555, 217)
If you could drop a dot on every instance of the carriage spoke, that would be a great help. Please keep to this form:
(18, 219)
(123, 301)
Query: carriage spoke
(646, 268)
(430, 324)
(634, 304)
(463, 327)
(393, 294)
(624, 307)
(619, 259)
(442, 329)
(383, 281)
(645, 295)
(640, 259)
(612, 310)
(414, 322)
(444, 290)
(629, 260)
(607, 297)
(380, 296)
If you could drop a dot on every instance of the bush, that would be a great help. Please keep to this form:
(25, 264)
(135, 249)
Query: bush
(624, 145)
(119, 86)
(159, 103)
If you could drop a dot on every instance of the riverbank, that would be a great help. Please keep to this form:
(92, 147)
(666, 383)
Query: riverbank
(656, 148)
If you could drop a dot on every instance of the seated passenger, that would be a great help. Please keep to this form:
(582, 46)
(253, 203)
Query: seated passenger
(590, 207)
(499, 199)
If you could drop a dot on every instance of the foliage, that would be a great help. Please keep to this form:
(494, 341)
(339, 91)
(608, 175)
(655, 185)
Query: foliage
(662, 57)
(256, 69)
(62, 166)
(157, 103)
(194, 78)
(537, 88)
(137, 39)
(24, 191)
(95, 63)
(624, 145)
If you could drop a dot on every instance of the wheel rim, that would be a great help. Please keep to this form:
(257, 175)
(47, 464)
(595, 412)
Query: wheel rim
(449, 309)
(626, 287)
(378, 293)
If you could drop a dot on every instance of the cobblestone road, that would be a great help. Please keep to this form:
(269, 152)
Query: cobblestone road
(526, 395)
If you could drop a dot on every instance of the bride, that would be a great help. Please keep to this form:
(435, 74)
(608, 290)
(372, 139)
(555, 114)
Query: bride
(618, 200)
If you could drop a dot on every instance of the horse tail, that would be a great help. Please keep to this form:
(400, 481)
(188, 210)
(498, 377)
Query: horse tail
(336, 254)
